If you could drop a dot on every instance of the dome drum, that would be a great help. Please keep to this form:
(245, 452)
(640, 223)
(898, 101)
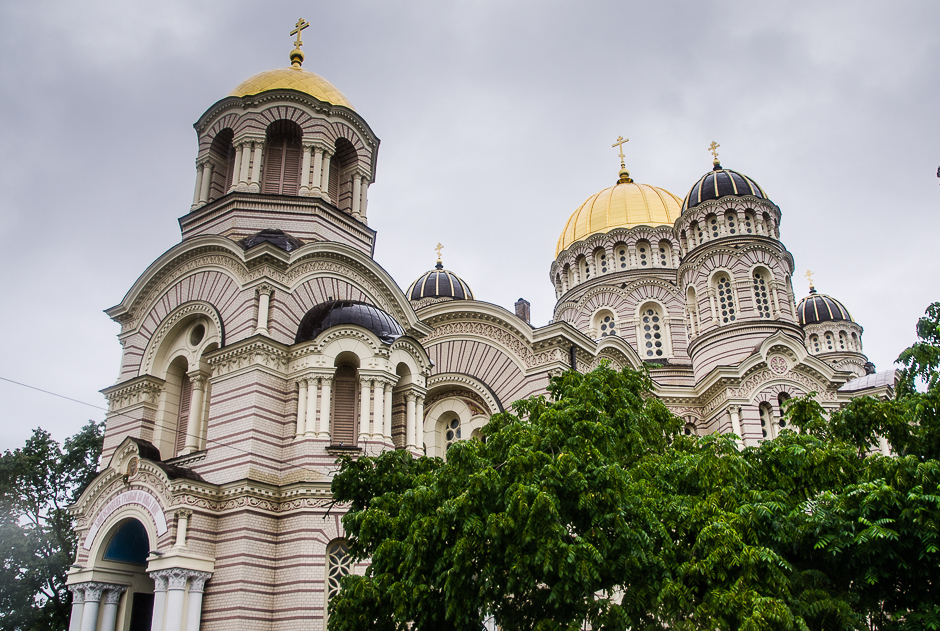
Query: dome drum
(327, 315)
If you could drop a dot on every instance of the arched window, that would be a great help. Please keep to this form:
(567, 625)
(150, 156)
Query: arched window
(761, 298)
(600, 261)
(345, 401)
(766, 420)
(814, 344)
(749, 222)
(698, 232)
(621, 256)
(856, 343)
(713, 228)
(584, 268)
(690, 429)
(338, 565)
(782, 398)
(843, 340)
(567, 278)
(222, 155)
(450, 428)
(283, 156)
(665, 253)
(342, 165)
(731, 221)
(830, 346)
(128, 544)
(726, 304)
(605, 324)
(643, 253)
(653, 334)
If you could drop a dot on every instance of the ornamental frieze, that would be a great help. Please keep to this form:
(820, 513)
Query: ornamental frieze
(500, 336)
(146, 390)
(472, 399)
(256, 354)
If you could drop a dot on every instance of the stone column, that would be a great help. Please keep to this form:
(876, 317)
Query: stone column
(312, 387)
(92, 602)
(364, 202)
(387, 432)
(109, 611)
(245, 164)
(735, 412)
(317, 176)
(356, 195)
(254, 186)
(365, 401)
(206, 182)
(196, 404)
(159, 599)
(323, 427)
(78, 603)
(182, 525)
(301, 408)
(198, 189)
(305, 171)
(410, 420)
(378, 409)
(236, 169)
(325, 178)
(264, 306)
(419, 423)
(176, 585)
(194, 608)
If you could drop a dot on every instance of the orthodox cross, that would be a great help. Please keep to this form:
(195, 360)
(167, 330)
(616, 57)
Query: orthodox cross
(714, 149)
(301, 25)
(809, 277)
(619, 143)
(438, 250)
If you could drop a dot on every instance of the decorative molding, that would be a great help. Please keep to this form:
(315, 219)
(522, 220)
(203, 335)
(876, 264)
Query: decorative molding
(138, 497)
(256, 353)
(139, 390)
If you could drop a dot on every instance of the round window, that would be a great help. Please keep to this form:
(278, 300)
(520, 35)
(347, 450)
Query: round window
(196, 335)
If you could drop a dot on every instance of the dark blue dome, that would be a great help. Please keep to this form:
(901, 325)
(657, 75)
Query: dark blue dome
(721, 182)
(439, 283)
(326, 315)
(817, 308)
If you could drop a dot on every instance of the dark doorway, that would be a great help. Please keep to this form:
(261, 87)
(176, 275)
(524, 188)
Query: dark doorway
(141, 612)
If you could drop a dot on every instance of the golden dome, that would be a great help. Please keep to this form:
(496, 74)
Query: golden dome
(623, 205)
(292, 78)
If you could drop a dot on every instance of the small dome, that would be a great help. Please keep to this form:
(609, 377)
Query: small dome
(336, 312)
(439, 283)
(721, 182)
(624, 205)
(817, 308)
(292, 78)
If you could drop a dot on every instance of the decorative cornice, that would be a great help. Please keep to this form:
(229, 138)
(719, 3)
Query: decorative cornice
(139, 390)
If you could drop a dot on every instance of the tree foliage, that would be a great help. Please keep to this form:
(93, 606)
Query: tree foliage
(592, 507)
(37, 543)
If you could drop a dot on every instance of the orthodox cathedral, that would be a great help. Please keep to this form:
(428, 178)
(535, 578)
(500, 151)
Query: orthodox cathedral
(268, 341)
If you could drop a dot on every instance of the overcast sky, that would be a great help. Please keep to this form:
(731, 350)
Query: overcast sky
(496, 120)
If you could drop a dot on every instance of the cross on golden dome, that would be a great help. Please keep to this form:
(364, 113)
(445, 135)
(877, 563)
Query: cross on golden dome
(297, 55)
(438, 250)
(809, 277)
(619, 143)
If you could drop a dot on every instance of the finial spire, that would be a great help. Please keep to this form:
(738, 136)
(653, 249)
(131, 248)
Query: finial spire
(624, 174)
(297, 55)
(439, 265)
(809, 277)
(713, 148)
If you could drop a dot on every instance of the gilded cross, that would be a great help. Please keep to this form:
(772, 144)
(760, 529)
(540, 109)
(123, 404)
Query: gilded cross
(809, 277)
(301, 25)
(438, 250)
(714, 149)
(619, 143)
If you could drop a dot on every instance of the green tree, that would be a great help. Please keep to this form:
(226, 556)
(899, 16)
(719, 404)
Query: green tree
(37, 543)
(592, 507)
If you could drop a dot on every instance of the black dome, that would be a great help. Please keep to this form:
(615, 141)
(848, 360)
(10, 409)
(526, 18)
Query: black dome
(721, 182)
(279, 238)
(439, 283)
(336, 312)
(821, 308)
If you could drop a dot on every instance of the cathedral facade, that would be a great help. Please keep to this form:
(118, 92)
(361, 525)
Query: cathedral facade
(267, 342)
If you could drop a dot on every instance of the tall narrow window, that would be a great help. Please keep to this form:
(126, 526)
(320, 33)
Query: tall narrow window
(643, 253)
(731, 221)
(600, 261)
(283, 158)
(829, 342)
(621, 255)
(766, 420)
(665, 253)
(814, 344)
(782, 398)
(653, 336)
(338, 565)
(605, 324)
(345, 399)
(843, 341)
(222, 155)
(182, 424)
(725, 299)
(692, 307)
(713, 226)
(584, 268)
(749, 223)
(761, 300)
